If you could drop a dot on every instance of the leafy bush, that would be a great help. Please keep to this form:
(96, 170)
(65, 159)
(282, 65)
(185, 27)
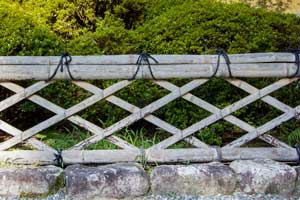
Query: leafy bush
(20, 34)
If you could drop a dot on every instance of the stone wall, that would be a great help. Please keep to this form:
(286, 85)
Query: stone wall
(125, 180)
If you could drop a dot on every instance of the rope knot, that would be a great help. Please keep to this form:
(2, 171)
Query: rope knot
(221, 52)
(144, 59)
(65, 60)
(296, 52)
(58, 158)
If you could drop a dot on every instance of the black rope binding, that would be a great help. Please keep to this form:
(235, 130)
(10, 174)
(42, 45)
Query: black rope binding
(297, 147)
(221, 52)
(65, 59)
(296, 52)
(59, 159)
(144, 58)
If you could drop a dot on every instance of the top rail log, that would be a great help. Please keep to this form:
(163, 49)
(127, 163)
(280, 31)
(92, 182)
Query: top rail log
(170, 66)
(163, 59)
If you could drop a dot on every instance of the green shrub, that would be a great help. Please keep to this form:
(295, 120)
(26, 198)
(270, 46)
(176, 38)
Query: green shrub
(21, 34)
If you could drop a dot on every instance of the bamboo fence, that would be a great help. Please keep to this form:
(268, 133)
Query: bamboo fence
(199, 68)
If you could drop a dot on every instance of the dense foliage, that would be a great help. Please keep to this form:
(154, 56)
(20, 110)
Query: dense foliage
(82, 27)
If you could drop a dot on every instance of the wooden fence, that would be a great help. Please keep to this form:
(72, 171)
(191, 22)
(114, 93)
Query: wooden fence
(197, 67)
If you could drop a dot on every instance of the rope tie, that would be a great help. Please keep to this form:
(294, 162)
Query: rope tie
(297, 115)
(221, 52)
(298, 152)
(144, 58)
(65, 59)
(296, 52)
(58, 158)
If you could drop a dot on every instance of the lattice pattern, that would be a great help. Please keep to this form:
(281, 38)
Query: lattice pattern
(146, 114)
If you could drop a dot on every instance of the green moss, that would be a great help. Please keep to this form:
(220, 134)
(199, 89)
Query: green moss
(59, 183)
(29, 195)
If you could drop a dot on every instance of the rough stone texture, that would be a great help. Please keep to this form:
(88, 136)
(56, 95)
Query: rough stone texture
(28, 181)
(110, 181)
(198, 179)
(264, 176)
(297, 187)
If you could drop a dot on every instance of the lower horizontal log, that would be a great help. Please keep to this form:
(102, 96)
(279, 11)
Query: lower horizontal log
(100, 156)
(225, 154)
(179, 155)
(156, 156)
(24, 157)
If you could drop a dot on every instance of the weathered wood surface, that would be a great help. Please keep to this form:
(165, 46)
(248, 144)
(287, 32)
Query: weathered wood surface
(170, 66)
(163, 59)
(151, 156)
(91, 72)
(27, 157)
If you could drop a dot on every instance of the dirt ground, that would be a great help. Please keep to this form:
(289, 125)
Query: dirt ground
(294, 7)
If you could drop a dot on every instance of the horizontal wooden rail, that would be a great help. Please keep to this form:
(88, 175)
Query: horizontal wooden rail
(157, 156)
(170, 66)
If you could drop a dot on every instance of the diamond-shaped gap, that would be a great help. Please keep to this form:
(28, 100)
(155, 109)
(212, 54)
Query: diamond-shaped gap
(219, 92)
(5, 93)
(289, 94)
(257, 113)
(4, 136)
(25, 115)
(260, 83)
(288, 132)
(180, 81)
(142, 92)
(181, 113)
(219, 133)
(143, 134)
(182, 144)
(20, 146)
(26, 83)
(103, 84)
(63, 135)
(64, 93)
(102, 145)
(257, 142)
(103, 113)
